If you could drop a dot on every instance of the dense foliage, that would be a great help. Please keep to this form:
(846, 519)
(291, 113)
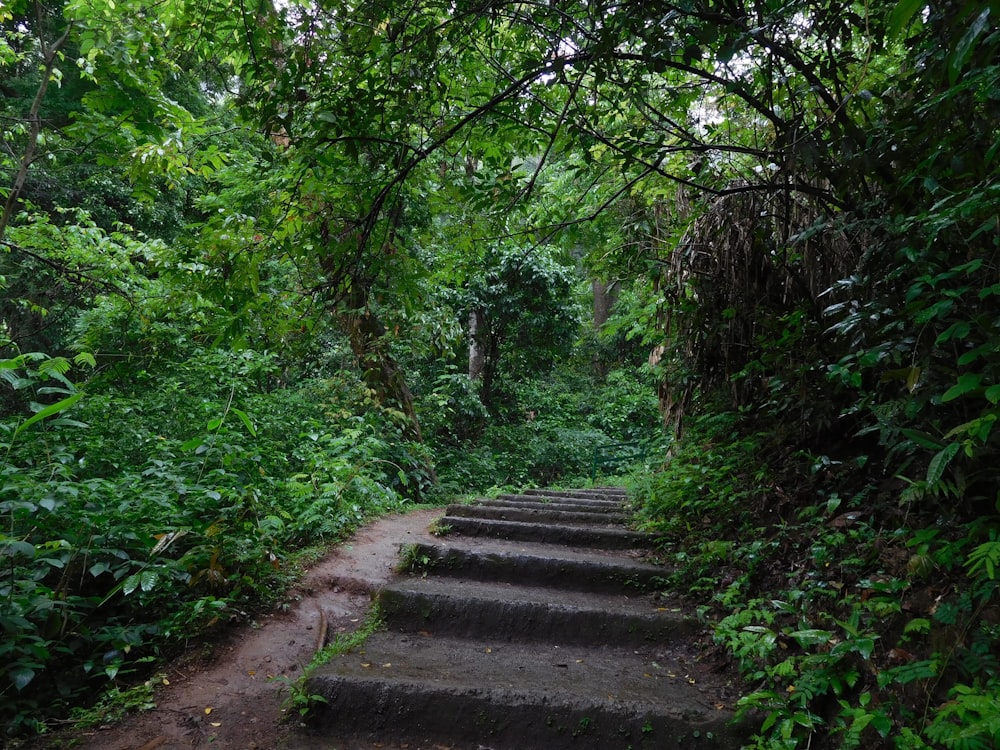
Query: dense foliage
(269, 268)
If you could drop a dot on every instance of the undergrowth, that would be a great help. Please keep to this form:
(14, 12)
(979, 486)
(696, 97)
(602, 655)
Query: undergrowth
(300, 699)
(130, 525)
(854, 621)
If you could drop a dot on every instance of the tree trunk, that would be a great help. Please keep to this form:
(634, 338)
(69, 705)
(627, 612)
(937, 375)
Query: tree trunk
(605, 296)
(380, 371)
(477, 354)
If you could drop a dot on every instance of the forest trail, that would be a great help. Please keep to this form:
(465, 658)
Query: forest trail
(229, 693)
(531, 622)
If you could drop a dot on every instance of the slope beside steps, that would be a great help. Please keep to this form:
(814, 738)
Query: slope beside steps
(532, 625)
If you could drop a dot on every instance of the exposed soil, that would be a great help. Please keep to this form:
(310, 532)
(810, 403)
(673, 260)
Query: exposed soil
(230, 694)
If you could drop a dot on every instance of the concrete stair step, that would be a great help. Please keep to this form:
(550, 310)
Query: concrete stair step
(610, 537)
(594, 504)
(616, 494)
(583, 506)
(537, 564)
(525, 697)
(550, 514)
(506, 612)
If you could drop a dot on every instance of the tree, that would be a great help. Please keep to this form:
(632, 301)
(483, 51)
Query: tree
(522, 304)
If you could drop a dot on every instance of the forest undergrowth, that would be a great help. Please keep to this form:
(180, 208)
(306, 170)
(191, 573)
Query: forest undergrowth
(857, 619)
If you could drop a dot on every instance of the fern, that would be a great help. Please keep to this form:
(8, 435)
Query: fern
(971, 721)
(985, 558)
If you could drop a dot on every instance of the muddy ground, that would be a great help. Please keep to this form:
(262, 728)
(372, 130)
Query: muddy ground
(229, 694)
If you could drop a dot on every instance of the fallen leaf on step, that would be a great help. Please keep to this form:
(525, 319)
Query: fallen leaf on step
(208, 710)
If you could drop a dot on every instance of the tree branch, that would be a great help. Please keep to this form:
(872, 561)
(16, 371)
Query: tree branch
(35, 129)
(66, 272)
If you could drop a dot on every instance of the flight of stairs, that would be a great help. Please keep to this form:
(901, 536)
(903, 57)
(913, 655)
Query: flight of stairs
(533, 624)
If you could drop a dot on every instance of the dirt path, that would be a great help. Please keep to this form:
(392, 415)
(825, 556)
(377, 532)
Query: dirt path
(232, 698)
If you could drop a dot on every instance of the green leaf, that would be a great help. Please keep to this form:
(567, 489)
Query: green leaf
(130, 584)
(917, 625)
(17, 547)
(55, 366)
(148, 579)
(923, 439)
(48, 411)
(958, 330)
(812, 637)
(901, 16)
(938, 464)
(993, 394)
(863, 646)
(985, 557)
(968, 382)
(977, 353)
(244, 417)
(99, 568)
(191, 444)
(966, 45)
(49, 503)
(85, 358)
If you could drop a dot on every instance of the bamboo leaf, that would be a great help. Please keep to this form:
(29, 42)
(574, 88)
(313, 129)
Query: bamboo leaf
(48, 411)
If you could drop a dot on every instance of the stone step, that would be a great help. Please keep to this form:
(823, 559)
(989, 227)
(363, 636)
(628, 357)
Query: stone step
(617, 494)
(596, 504)
(602, 537)
(536, 564)
(535, 624)
(506, 612)
(552, 514)
(540, 504)
(507, 696)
